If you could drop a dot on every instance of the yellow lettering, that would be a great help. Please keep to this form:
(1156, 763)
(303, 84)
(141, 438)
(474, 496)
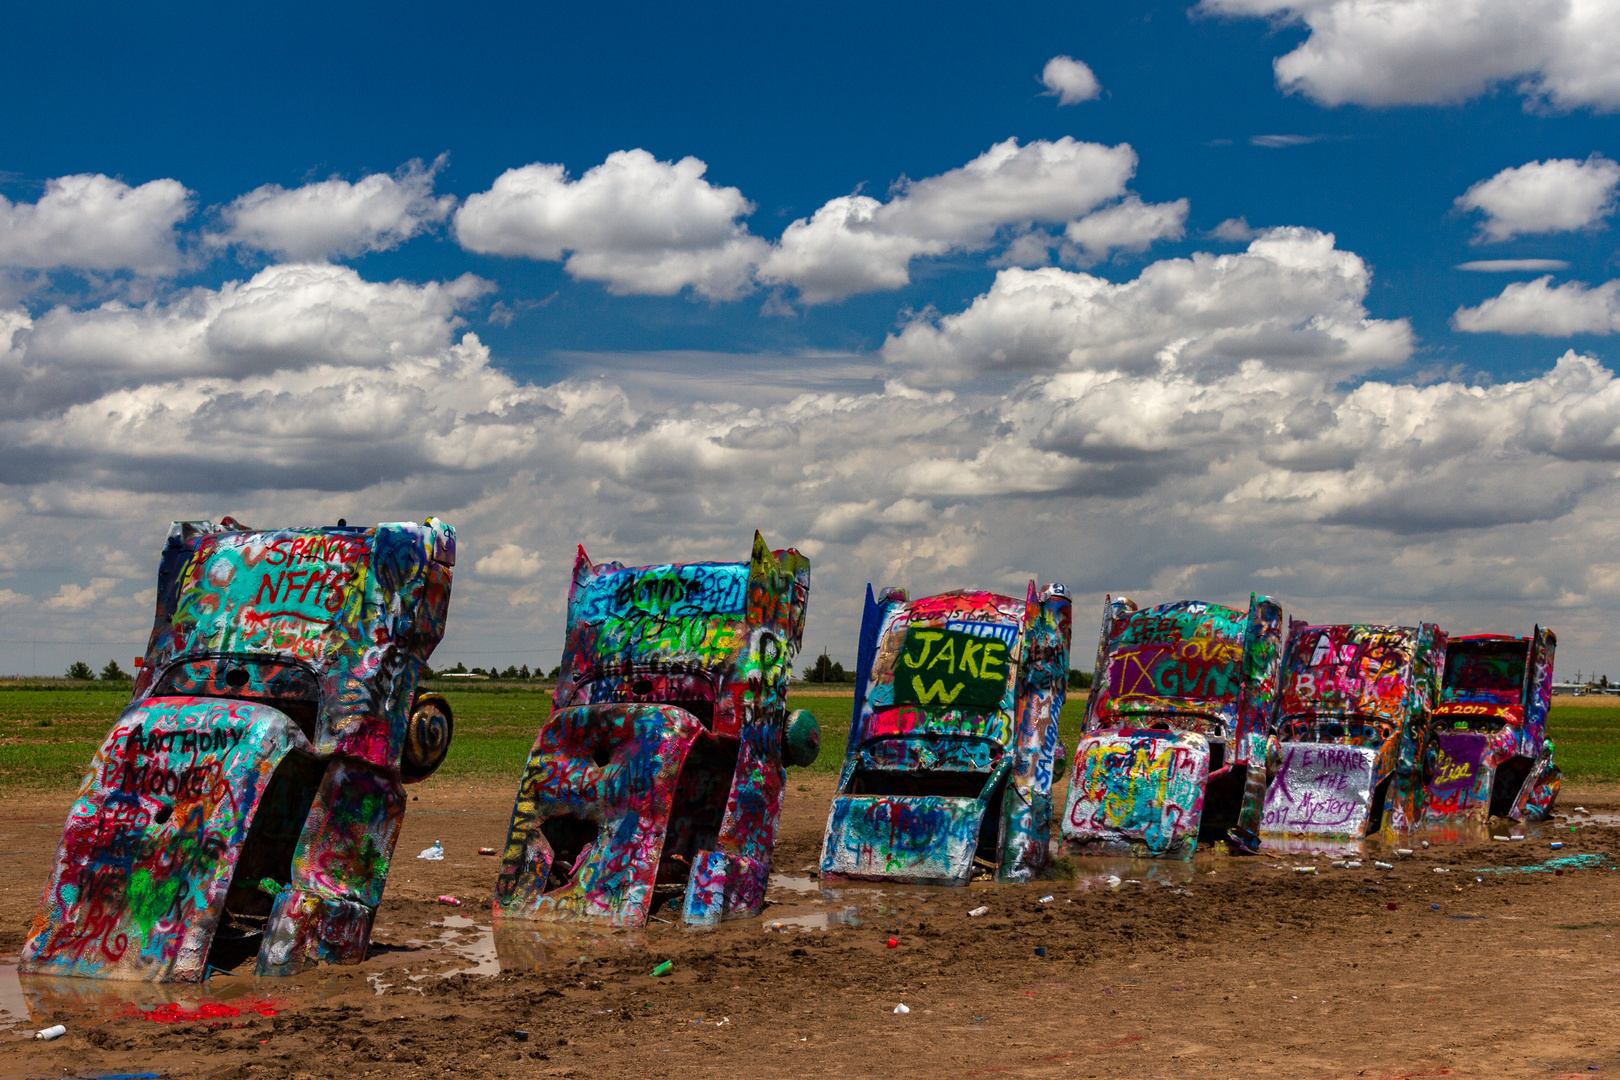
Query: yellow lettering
(927, 695)
(948, 651)
(967, 664)
(995, 654)
(927, 637)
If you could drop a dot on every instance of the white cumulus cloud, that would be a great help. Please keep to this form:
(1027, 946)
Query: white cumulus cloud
(1234, 229)
(285, 318)
(1129, 225)
(336, 218)
(1175, 434)
(509, 562)
(1560, 195)
(1292, 299)
(646, 226)
(842, 250)
(1540, 307)
(74, 597)
(634, 223)
(857, 244)
(1069, 80)
(94, 222)
(1434, 52)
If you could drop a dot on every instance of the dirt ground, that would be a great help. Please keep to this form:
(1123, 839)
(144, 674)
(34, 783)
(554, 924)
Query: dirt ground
(1225, 967)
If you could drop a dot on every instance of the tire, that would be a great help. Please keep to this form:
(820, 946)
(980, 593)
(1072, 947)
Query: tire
(801, 739)
(427, 737)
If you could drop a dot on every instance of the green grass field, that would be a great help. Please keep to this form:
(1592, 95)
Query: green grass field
(1586, 741)
(48, 732)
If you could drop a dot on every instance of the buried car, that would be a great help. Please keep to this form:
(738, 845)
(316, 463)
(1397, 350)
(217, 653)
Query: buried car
(659, 773)
(1352, 711)
(1177, 729)
(1487, 754)
(954, 739)
(247, 800)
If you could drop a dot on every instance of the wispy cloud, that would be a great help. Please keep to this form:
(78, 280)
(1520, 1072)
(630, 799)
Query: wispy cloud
(1508, 266)
(1276, 141)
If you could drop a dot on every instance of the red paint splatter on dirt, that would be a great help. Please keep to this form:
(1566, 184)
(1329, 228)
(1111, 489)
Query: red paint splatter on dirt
(208, 1010)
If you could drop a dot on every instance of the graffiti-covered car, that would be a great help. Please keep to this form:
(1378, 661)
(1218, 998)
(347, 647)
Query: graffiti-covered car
(247, 800)
(1488, 754)
(954, 738)
(1177, 729)
(1352, 712)
(659, 773)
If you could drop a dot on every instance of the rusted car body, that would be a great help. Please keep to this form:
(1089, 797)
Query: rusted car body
(1177, 729)
(247, 800)
(659, 773)
(1488, 754)
(954, 738)
(1352, 716)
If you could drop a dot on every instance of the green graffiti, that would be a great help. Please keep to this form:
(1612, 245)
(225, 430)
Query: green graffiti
(150, 900)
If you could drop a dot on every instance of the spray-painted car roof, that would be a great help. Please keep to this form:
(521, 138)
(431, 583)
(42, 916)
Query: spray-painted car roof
(343, 608)
(922, 681)
(1180, 657)
(711, 624)
(1350, 670)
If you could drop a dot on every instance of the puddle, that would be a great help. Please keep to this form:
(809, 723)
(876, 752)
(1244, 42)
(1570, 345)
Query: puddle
(1587, 817)
(793, 884)
(537, 946)
(817, 920)
(1447, 834)
(1113, 872)
(470, 940)
(1337, 849)
(13, 1004)
(1095, 872)
(38, 999)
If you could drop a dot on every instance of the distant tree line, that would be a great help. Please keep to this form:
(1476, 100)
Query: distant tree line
(111, 673)
(512, 672)
(827, 670)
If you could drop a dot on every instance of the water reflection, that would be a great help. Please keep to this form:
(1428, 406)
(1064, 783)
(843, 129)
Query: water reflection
(32, 1000)
(793, 883)
(13, 1004)
(816, 920)
(469, 940)
(1335, 847)
(1096, 872)
(537, 946)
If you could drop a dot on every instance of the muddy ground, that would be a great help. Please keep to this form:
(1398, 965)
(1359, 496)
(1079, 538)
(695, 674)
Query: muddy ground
(1229, 967)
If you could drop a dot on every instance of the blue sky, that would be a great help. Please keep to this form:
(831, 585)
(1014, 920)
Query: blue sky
(793, 110)
(1491, 513)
